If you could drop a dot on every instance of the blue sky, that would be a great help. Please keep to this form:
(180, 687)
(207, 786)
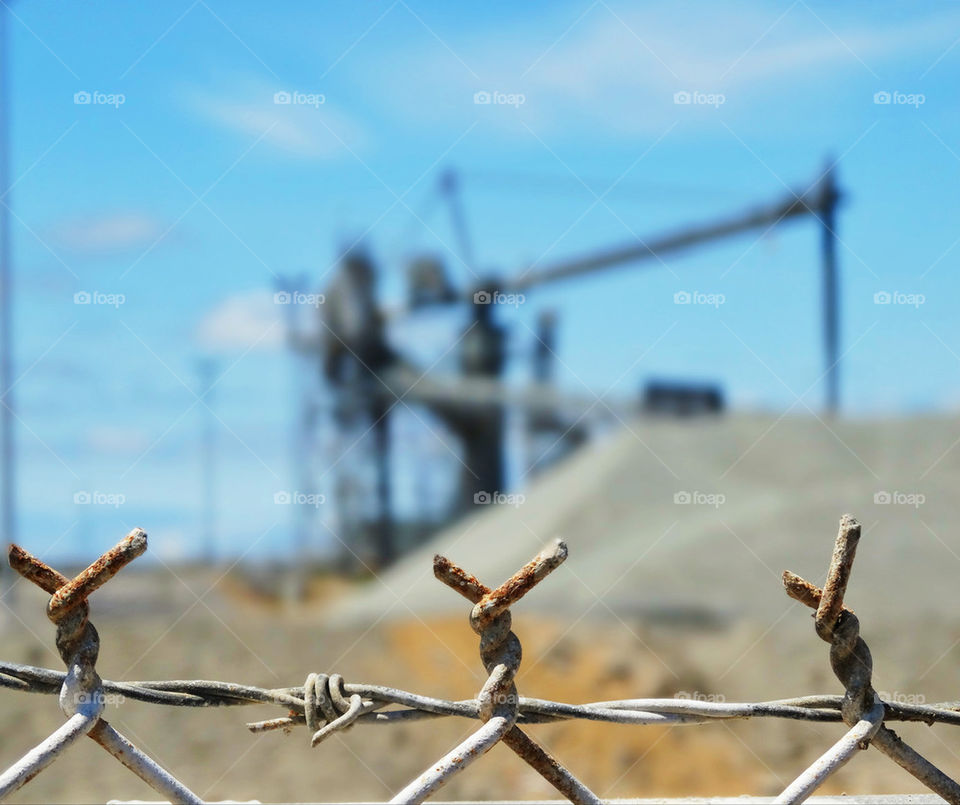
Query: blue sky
(181, 204)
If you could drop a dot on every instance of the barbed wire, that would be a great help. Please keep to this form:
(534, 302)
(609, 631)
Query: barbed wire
(326, 703)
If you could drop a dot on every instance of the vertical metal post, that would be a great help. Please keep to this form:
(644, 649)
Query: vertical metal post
(481, 428)
(450, 187)
(831, 301)
(301, 423)
(7, 457)
(384, 525)
(208, 459)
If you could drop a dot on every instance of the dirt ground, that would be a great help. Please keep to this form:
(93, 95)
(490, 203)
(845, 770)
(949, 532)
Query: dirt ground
(193, 625)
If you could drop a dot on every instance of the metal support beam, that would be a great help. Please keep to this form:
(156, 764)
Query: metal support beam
(384, 542)
(764, 217)
(831, 303)
(450, 187)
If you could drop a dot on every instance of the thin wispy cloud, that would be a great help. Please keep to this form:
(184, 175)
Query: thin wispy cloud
(300, 122)
(108, 233)
(621, 70)
(248, 320)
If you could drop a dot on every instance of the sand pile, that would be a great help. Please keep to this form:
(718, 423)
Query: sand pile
(695, 521)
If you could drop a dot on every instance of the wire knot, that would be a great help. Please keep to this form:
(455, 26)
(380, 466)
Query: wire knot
(328, 709)
(500, 653)
(497, 702)
(77, 640)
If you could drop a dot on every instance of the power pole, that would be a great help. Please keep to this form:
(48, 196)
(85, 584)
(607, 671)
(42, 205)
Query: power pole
(207, 370)
(300, 474)
(450, 187)
(385, 535)
(7, 457)
(829, 199)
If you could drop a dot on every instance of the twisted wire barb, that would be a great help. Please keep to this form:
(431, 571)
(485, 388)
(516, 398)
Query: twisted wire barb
(81, 691)
(852, 664)
(326, 704)
(500, 653)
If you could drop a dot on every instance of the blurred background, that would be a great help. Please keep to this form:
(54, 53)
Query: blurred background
(313, 291)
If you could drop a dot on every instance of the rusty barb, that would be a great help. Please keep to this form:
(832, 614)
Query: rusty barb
(852, 664)
(81, 692)
(498, 702)
(327, 704)
(495, 602)
(75, 592)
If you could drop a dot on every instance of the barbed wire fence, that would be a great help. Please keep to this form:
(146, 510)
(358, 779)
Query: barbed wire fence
(326, 704)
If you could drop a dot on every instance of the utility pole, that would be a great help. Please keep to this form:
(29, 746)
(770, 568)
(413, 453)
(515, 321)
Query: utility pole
(829, 199)
(207, 370)
(384, 526)
(288, 289)
(8, 487)
(450, 187)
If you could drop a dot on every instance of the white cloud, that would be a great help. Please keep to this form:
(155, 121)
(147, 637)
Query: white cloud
(108, 233)
(656, 52)
(620, 71)
(248, 320)
(310, 129)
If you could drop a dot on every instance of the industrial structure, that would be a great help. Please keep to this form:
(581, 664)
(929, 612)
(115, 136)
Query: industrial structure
(366, 375)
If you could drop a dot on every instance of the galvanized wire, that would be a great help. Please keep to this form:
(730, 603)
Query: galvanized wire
(42, 755)
(81, 692)
(852, 662)
(415, 707)
(835, 757)
(326, 704)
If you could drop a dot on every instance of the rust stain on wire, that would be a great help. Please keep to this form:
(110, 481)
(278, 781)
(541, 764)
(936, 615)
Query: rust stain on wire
(75, 592)
(326, 703)
(81, 691)
(852, 664)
